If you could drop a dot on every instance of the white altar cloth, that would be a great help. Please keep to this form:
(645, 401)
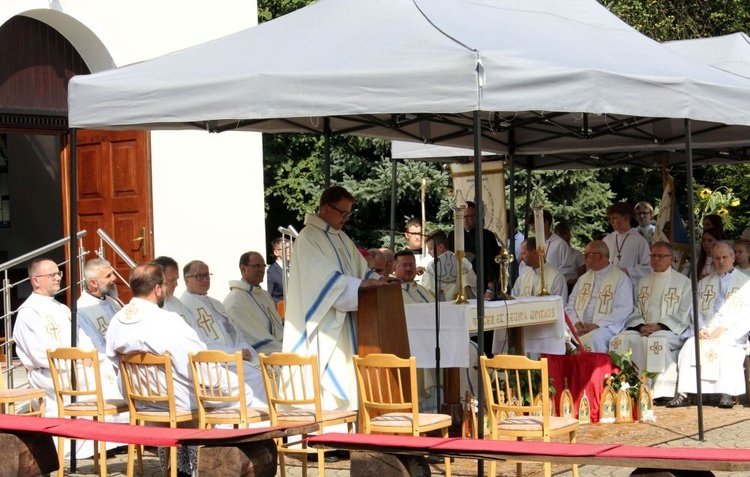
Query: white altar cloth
(542, 318)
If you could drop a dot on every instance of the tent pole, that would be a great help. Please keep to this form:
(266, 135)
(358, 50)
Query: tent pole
(73, 251)
(511, 215)
(693, 272)
(479, 239)
(394, 184)
(327, 151)
(527, 207)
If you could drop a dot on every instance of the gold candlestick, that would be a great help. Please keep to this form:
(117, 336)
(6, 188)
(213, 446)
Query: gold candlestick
(461, 294)
(504, 259)
(543, 289)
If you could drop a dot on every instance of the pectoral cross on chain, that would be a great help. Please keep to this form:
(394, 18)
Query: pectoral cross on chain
(206, 323)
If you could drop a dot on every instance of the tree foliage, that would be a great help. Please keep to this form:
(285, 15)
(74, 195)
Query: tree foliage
(293, 162)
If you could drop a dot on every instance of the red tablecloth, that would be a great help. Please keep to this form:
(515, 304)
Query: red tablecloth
(584, 371)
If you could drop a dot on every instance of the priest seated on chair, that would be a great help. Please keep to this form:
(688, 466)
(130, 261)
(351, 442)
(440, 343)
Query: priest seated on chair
(723, 308)
(601, 300)
(660, 321)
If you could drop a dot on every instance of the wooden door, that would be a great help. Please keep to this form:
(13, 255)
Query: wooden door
(114, 194)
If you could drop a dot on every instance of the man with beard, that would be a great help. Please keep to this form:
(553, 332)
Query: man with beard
(98, 302)
(171, 277)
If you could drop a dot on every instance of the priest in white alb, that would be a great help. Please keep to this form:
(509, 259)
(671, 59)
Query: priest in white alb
(601, 300)
(405, 269)
(171, 279)
(42, 323)
(322, 300)
(723, 310)
(657, 329)
(217, 328)
(548, 338)
(253, 308)
(628, 250)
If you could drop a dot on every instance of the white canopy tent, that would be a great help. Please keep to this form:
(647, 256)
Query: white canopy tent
(517, 77)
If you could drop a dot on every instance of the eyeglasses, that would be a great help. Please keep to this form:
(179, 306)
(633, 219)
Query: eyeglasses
(51, 276)
(660, 256)
(200, 276)
(588, 254)
(344, 214)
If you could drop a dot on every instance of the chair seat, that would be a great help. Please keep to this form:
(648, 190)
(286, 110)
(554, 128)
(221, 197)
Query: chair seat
(110, 406)
(180, 415)
(15, 394)
(400, 419)
(308, 415)
(253, 413)
(535, 423)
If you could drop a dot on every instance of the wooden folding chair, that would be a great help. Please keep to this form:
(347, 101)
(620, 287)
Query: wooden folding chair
(388, 398)
(511, 387)
(293, 388)
(212, 379)
(9, 398)
(78, 389)
(149, 388)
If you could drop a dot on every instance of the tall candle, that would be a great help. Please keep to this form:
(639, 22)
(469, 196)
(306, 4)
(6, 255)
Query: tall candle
(458, 231)
(539, 226)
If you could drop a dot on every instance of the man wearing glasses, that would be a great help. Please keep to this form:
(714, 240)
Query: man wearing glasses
(663, 311)
(42, 323)
(601, 300)
(216, 328)
(324, 279)
(253, 308)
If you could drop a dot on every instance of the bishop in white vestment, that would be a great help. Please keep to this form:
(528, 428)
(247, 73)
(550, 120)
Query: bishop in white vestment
(723, 307)
(656, 330)
(601, 300)
(253, 308)
(325, 276)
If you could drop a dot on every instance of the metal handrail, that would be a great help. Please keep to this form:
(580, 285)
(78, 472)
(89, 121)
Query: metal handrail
(8, 286)
(119, 251)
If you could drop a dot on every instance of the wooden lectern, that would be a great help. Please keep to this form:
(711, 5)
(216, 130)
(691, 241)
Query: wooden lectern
(381, 321)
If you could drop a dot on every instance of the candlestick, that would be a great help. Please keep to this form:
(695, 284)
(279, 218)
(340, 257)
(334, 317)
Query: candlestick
(458, 228)
(461, 294)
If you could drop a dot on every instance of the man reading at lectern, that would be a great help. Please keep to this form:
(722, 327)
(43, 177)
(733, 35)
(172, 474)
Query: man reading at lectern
(324, 279)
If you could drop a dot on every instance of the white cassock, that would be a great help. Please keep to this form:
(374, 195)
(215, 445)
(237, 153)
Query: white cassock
(538, 338)
(664, 298)
(215, 328)
(93, 317)
(447, 270)
(173, 304)
(323, 296)
(557, 253)
(255, 315)
(42, 323)
(723, 302)
(629, 251)
(605, 298)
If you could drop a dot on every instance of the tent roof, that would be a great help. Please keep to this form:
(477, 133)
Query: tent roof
(730, 53)
(550, 78)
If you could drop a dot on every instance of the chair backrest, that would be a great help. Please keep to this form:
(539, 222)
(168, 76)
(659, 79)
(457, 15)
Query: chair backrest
(75, 374)
(511, 386)
(148, 382)
(382, 380)
(213, 372)
(291, 381)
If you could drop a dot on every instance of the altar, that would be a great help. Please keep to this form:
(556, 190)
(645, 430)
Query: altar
(541, 317)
